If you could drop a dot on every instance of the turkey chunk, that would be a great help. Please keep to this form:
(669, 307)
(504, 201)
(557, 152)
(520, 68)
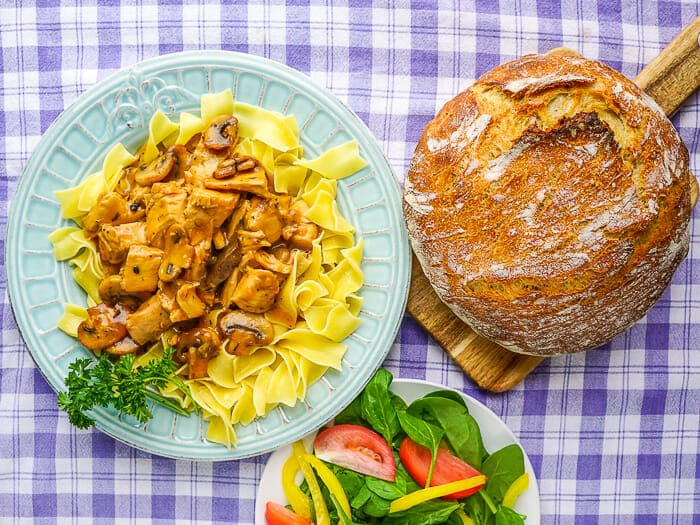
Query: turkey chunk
(114, 241)
(256, 291)
(141, 269)
(148, 322)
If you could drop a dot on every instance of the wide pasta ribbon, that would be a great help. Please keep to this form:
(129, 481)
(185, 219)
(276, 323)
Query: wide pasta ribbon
(71, 244)
(323, 208)
(160, 128)
(274, 129)
(72, 316)
(338, 162)
(312, 346)
(332, 319)
(78, 200)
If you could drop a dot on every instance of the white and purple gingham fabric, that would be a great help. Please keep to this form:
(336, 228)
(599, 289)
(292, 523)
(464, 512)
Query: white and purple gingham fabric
(613, 433)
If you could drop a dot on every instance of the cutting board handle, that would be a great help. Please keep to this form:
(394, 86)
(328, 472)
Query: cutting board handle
(673, 75)
(670, 78)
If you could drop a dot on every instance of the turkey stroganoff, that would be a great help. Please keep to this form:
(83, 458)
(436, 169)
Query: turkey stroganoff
(219, 240)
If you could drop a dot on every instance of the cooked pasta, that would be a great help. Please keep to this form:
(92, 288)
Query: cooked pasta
(317, 273)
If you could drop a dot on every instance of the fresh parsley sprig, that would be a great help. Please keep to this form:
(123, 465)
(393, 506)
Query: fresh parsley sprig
(120, 385)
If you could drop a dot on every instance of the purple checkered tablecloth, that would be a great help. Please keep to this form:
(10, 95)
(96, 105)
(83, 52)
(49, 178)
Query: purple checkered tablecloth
(613, 433)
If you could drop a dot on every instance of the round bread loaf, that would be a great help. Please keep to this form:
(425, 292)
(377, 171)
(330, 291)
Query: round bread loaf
(549, 204)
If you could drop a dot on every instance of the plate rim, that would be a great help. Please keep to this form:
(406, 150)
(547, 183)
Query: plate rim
(534, 484)
(205, 59)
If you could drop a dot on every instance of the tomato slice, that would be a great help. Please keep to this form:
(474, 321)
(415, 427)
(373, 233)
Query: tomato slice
(276, 514)
(448, 467)
(356, 448)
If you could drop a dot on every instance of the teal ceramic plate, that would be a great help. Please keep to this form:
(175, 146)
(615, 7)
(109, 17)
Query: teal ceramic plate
(493, 430)
(118, 110)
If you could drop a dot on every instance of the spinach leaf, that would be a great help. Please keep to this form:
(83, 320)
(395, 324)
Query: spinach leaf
(376, 506)
(369, 497)
(429, 513)
(424, 434)
(461, 429)
(454, 519)
(352, 414)
(476, 508)
(506, 516)
(402, 474)
(377, 407)
(352, 482)
(420, 431)
(397, 401)
(385, 489)
(360, 498)
(502, 468)
(447, 394)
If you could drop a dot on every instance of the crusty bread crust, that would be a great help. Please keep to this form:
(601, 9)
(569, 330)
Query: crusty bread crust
(549, 204)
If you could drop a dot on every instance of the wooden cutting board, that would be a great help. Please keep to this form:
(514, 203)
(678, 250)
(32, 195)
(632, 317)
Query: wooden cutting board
(670, 78)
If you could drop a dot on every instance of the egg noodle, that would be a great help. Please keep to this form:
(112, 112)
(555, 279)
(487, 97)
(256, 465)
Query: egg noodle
(317, 306)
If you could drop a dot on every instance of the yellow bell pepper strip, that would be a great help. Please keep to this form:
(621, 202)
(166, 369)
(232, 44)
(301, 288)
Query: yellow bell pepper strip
(438, 491)
(331, 482)
(466, 520)
(320, 508)
(297, 499)
(516, 488)
(343, 519)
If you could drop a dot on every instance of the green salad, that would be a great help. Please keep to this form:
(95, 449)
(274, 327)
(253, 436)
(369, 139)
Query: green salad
(388, 462)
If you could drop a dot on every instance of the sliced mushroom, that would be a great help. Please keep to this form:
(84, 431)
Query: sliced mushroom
(156, 170)
(183, 160)
(205, 340)
(104, 326)
(224, 263)
(177, 253)
(193, 142)
(245, 331)
(112, 291)
(230, 167)
(256, 291)
(196, 347)
(222, 133)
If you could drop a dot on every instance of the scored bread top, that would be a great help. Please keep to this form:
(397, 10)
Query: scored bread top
(549, 203)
